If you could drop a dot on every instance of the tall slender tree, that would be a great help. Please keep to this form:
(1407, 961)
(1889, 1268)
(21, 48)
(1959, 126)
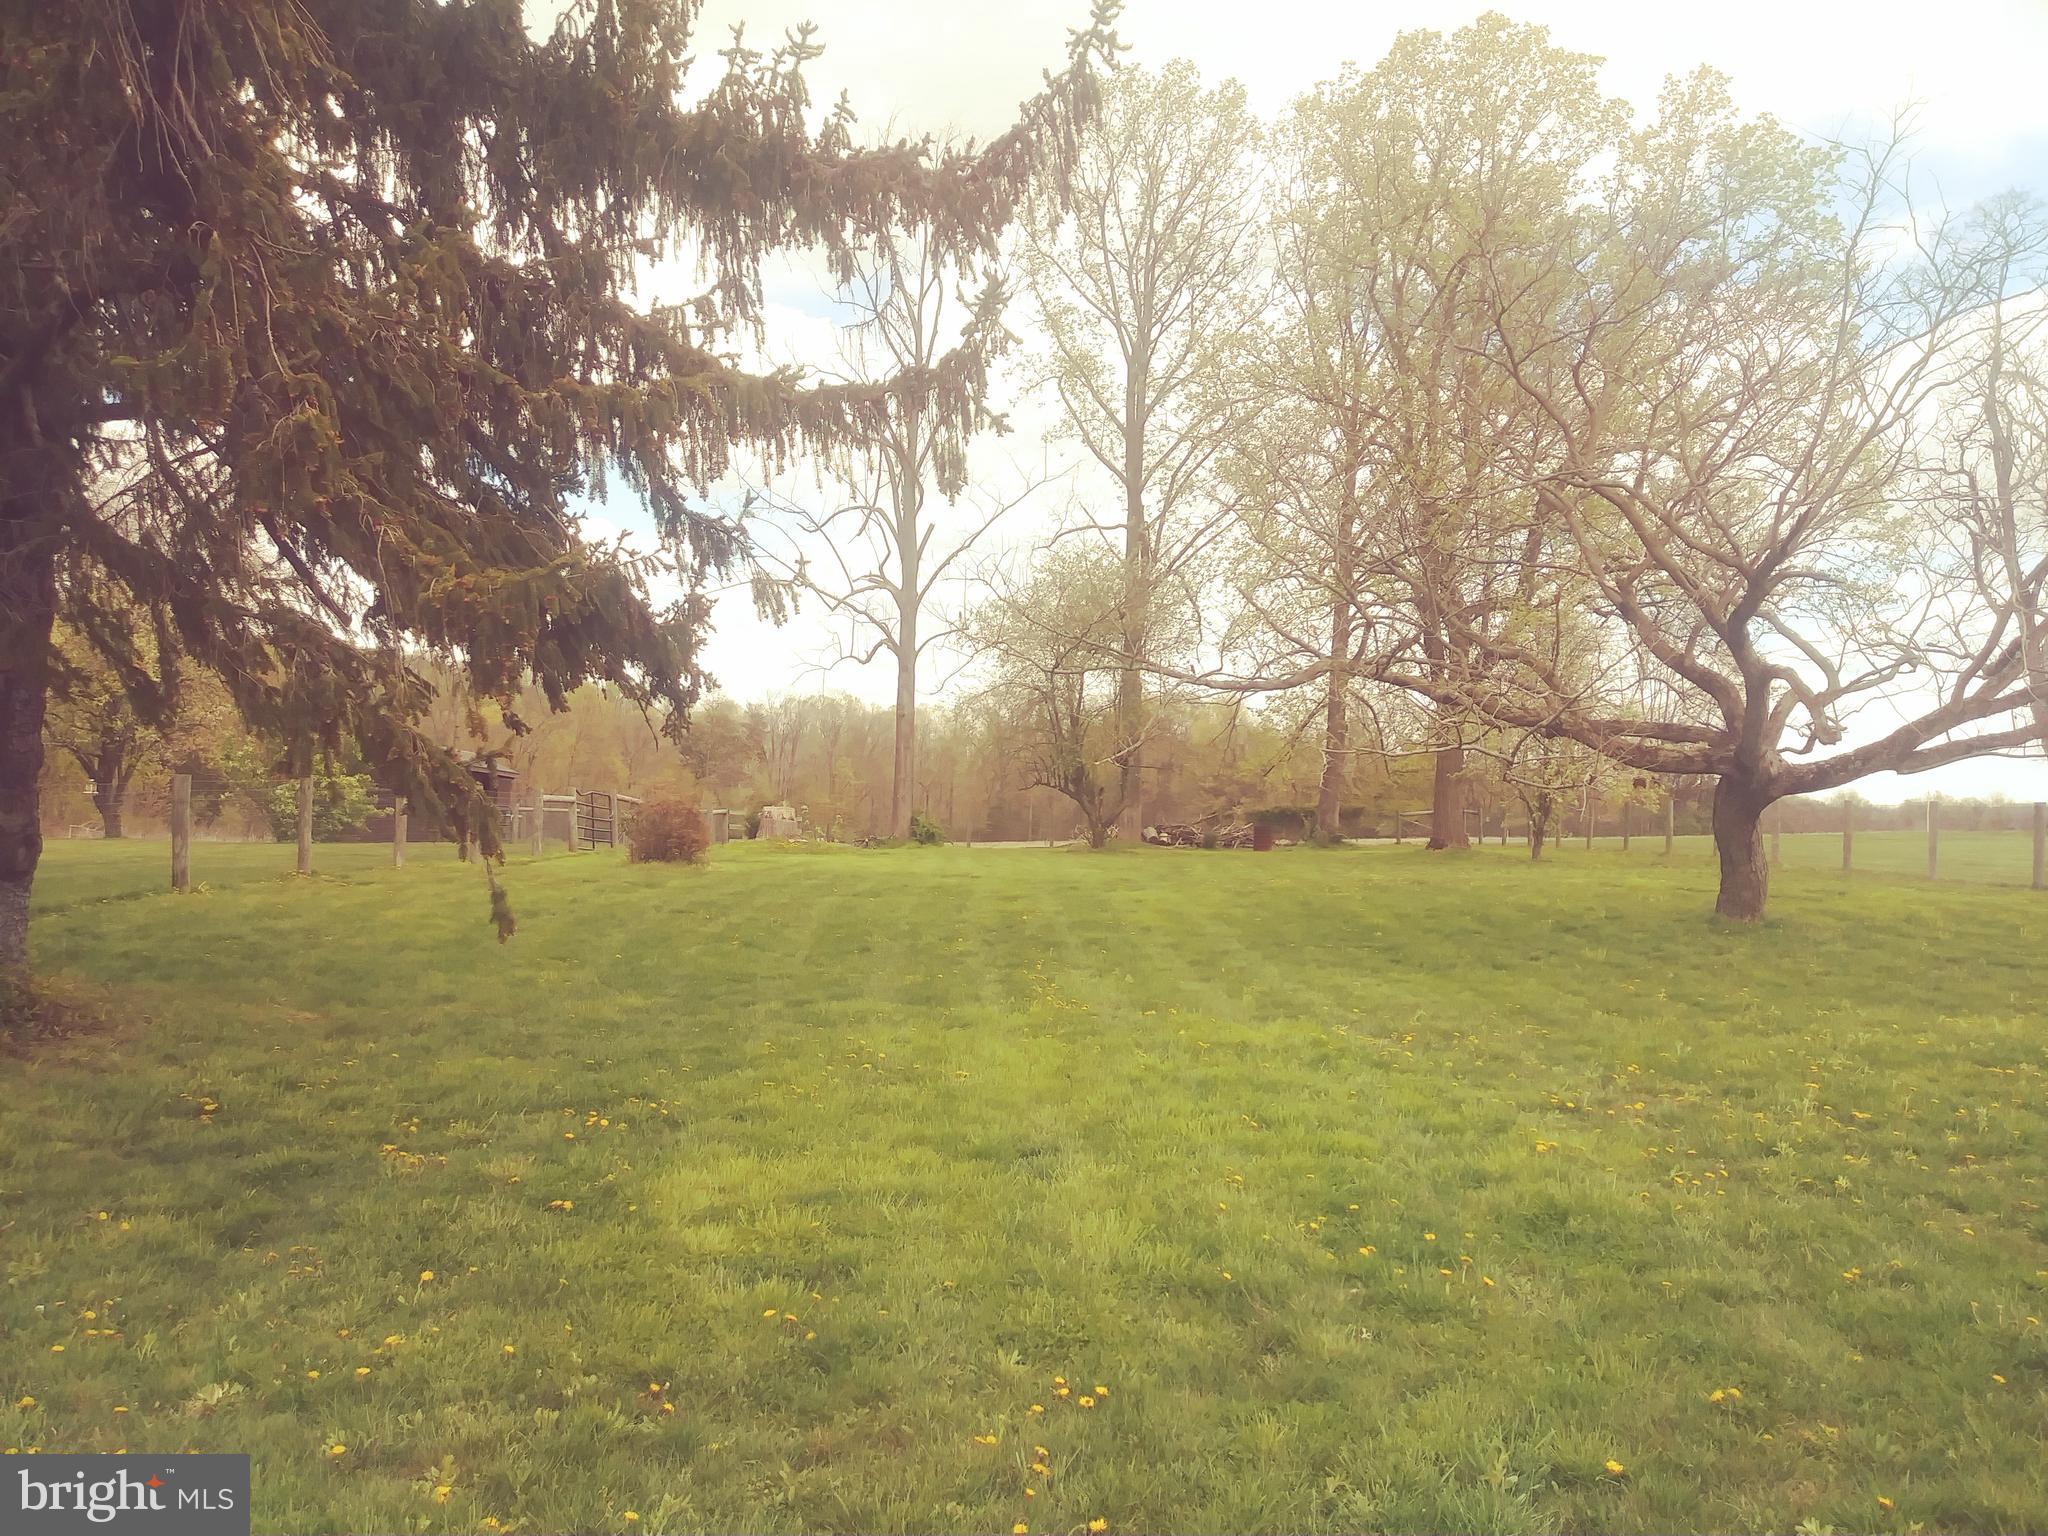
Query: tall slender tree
(869, 557)
(316, 325)
(1141, 285)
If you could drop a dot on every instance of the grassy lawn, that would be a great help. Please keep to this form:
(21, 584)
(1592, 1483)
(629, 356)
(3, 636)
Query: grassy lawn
(964, 1190)
(76, 874)
(1981, 858)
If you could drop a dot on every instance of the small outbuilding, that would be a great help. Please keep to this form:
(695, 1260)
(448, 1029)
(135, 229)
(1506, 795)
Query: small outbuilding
(779, 821)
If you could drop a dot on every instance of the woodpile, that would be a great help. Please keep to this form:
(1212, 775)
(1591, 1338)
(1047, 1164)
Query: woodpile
(1182, 834)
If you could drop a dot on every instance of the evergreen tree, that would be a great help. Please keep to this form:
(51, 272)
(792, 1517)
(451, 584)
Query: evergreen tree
(316, 323)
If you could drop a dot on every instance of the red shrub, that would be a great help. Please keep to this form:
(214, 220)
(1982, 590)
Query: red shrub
(668, 831)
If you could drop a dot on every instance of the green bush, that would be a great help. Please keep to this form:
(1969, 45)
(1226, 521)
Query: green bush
(924, 831)
(341, 803)
(668, 831)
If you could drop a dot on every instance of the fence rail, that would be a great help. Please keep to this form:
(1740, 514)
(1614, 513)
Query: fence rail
(583, 819)
(1930, 850)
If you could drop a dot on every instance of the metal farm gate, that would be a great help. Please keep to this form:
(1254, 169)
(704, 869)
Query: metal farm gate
(596, 819)
(603, 818)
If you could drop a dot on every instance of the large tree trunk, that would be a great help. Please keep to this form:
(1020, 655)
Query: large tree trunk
(1336, 728)
(1447, 814)
(1739, 839)
(1130, 683)
(1539, 825)
(903, 780)
(107, 786)
(28, 609)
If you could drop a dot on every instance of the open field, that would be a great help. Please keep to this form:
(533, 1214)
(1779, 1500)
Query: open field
(821, 1189)
(1978, 858)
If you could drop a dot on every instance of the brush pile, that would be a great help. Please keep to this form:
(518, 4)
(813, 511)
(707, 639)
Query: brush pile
(1183, 834)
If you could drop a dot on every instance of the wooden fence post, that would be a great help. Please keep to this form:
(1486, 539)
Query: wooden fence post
(540, 821)
(398, 831)
(2041, 845)
(1626, 820)
(1848, 835)
(1670, 823)
(181, 832)
(306, 825)
(575, 816)
(1933, 837)
(1589, 820)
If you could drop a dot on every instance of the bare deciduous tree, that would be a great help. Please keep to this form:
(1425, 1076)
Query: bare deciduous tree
(877, 568)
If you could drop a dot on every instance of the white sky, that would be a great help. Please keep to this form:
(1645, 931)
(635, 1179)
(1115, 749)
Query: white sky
(1825, 67)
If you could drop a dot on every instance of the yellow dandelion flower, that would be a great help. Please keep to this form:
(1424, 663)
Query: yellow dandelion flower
(1368, 1250)
(1885, 1503)
(1038, 1407)
(312, 1375)
(769, 1313)
(426, 1277)
(1615, 1468)
(1098, 1525)
(362, 1371)
(1101, 1391)
(1429, 1237)
(1059, 1381)
(441, 1493)
(26, 1402)
(1087, 1401)
(337, 1449)
(630, 1516)
(56, 1349)
(668, 1407)
(1020, 1529)
(510, 1350)
(1998, 1378)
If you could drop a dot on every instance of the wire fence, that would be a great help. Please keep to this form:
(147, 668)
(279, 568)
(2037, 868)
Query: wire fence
(340, 818)
(1998, 845)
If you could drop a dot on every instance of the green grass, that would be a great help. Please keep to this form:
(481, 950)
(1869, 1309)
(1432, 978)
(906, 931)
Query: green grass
(866, 1149)
(1980, 858)
(76, 874)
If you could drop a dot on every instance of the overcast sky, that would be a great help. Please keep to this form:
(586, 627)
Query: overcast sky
(1972, 69)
